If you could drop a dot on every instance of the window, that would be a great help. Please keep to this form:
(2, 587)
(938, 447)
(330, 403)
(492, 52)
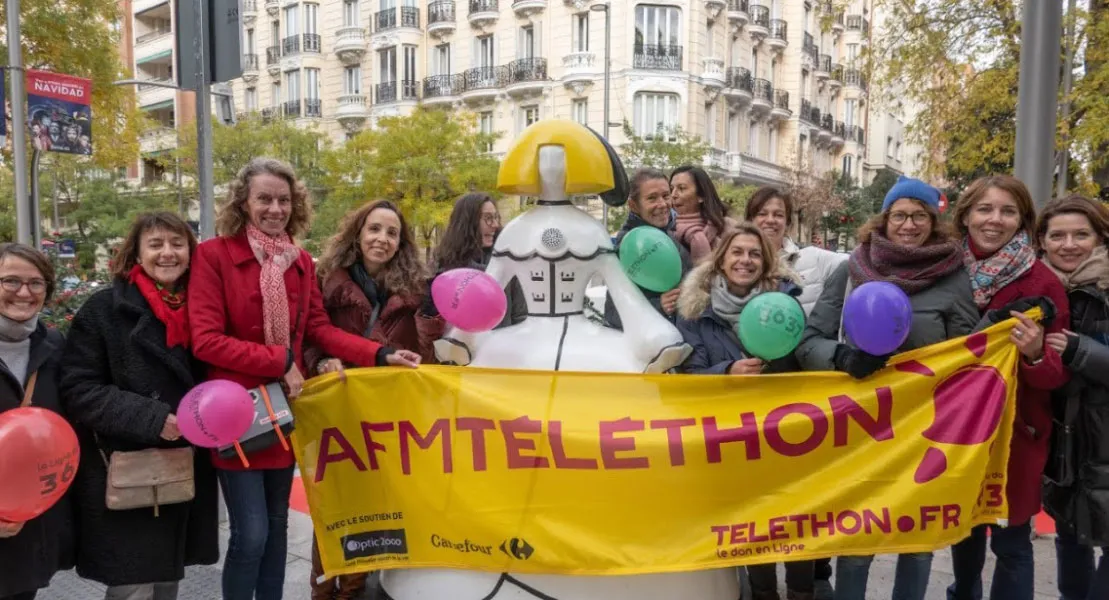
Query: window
(527, 45)
(808, 19)
(849, 112)
(441, 60)
(350, 13)
(710, 125)
(292, 85)
(387, 65)
(410, 63)
(387, 4)
(847, 158)
(710, 39)
(485, 125)
(753, 138)
(774, 73)
(656, 114)
(275, 93)
(889, 147)
(249, 41)
(312, 84)
(291, 28)
(852, 53)
(657, 25)
(485, 51)
(733, 132)
(250, 98)
(754, 62)
(579, 35)
(311, 18)
(275, 33)
(772, 150)
(352, 80)
(775, 9)
(530, 115)
(579, 110)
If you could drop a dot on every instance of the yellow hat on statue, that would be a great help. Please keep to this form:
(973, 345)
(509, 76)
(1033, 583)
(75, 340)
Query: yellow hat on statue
(592, 166)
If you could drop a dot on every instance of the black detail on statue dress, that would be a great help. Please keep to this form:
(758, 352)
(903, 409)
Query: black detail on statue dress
(561, 341)
(565, 256)
(553, 202)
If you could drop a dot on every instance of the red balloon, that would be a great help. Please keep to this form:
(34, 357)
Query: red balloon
(39, 455)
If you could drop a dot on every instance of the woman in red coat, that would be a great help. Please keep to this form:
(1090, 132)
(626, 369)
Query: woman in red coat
(375, 286)
(253, 307)
(997, 219)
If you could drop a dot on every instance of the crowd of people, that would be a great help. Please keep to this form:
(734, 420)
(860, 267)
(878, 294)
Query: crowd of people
(252, 307)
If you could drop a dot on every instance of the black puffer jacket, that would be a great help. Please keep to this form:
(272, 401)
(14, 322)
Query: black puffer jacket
(1076, 486)
(120, 381)
(45, 545)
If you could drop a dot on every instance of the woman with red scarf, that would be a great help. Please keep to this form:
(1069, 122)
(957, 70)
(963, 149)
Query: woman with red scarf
(126, 366)
(254, 307)
(997, 221)
(906, 245)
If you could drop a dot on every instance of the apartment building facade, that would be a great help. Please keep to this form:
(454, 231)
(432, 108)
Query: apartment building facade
(774, 86)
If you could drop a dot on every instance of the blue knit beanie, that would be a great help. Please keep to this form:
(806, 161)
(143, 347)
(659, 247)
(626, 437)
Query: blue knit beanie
(907, 187)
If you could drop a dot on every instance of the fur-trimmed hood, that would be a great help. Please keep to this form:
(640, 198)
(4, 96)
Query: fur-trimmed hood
(694, 296)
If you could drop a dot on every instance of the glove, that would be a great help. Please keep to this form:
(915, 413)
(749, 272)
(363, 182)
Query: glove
(1070, 350)
(1022, 305)
(857, 363)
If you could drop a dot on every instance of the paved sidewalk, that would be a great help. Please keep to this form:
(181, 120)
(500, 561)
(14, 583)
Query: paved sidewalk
(203, 583)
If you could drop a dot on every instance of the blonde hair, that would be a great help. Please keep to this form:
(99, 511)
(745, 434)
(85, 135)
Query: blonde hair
(232, 216)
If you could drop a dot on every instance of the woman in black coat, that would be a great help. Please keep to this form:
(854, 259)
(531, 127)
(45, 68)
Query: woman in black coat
(742, 266)
(126, 367)
(31, 552)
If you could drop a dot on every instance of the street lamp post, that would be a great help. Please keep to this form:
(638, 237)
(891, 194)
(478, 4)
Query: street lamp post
(605, 8)
(24, 213)
(1037, 97)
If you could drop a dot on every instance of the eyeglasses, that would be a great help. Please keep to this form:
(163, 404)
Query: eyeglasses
(919, 218)
(491, 219)
(14, 284)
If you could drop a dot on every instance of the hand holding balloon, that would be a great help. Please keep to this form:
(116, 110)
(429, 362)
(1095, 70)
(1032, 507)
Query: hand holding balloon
(651, 259)
(39, 455)
(469, 299)
(8, 530)
(215, 413)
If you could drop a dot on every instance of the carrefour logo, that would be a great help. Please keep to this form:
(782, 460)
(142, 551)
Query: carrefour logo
(374, 543)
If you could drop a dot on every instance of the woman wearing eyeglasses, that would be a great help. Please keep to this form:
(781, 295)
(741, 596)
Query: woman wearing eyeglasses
(468, 243)
(906, 245)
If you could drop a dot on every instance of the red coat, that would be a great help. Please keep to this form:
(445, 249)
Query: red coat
(400, 324)
(225, 316)
(1029, 448)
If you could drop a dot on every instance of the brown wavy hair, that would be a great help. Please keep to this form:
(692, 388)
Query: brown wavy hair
(1006, 183)
(233, 217)
(37, 259)
(460, 246)
(1095, 212)
(766, 194)
(941, 230)
(403, 275)
(768, 279)
(128, 254)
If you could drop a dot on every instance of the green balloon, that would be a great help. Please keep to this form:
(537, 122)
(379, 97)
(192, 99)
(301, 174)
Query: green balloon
(771, 324)
(651, 259)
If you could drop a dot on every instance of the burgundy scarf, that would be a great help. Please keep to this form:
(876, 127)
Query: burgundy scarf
(911, 269)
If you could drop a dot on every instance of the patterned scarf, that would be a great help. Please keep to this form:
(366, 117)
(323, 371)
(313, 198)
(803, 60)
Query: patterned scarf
(911, 269)
(276, 255)
(1092, 271)
(989, 275)
(168, 306)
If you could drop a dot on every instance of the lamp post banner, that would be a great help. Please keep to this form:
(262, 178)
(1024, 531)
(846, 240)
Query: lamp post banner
(58, 112)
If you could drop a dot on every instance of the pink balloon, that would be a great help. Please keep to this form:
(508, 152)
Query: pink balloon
(469, 299)
(215, 413)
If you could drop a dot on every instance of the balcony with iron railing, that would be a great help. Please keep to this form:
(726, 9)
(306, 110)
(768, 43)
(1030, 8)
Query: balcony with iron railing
(483, 82)
(313, 107)
(855, 134)
(838, 22)
(396, 91)
(524, 70)
(385, 20)
(779, 33)
(410, 17)
(781, 103)
(826, 122)
(814, 115)
(855, 78)
(759, 25)
(737, 11)
(291, 109)
(529, 8)
(484, 12)
(273, 55)
(824, 65)
(440, 17)
(313, 42)
(806, 108)
(290, 45)
(836, 78)
(838, 133)
(858, 23)
(763, 93)
(250, 63)
(808, 44)
(443, 87)
(658, 57)
(739, 78)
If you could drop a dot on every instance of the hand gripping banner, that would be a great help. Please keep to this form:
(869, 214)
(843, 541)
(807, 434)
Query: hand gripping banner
(596, 473)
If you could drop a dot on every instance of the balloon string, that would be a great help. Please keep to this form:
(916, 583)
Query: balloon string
(242, 455)
(273, 419)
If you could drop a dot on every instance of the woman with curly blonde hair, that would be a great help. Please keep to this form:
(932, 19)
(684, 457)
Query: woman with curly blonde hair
(253, 308)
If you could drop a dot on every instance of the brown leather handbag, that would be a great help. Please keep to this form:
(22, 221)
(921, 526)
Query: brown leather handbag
(148, 478)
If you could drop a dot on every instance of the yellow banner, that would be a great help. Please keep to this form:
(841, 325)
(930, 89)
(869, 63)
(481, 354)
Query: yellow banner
(596, 473)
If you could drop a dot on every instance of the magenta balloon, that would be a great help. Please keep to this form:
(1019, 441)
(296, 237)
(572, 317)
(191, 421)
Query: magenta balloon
(215, 413)
(877, 317)
(469, 299)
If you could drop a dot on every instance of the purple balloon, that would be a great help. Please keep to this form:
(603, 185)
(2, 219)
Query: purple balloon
(877, 317)
(215, 413)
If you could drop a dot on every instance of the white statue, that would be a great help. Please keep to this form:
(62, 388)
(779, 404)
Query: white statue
(554, 250)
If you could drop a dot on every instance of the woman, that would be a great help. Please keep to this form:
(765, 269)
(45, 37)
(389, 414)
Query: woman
(30, 353)
(649, 206)
(772, 210)
(995, 217)
(713, 295)
(253, 308)
(126, 367)
(702, 218)
(468, 241)
(373, 286)
(905, 245)
(1072, 233)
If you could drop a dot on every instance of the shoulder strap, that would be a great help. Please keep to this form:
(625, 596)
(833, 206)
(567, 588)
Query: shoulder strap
(29, 391)
(846, 293)
(374, 314)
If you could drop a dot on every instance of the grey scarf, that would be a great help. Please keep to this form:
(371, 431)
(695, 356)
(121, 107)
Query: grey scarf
(17, 331)
(725, 304)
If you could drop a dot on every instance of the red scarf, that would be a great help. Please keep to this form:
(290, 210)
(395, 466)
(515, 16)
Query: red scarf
(168, 307)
